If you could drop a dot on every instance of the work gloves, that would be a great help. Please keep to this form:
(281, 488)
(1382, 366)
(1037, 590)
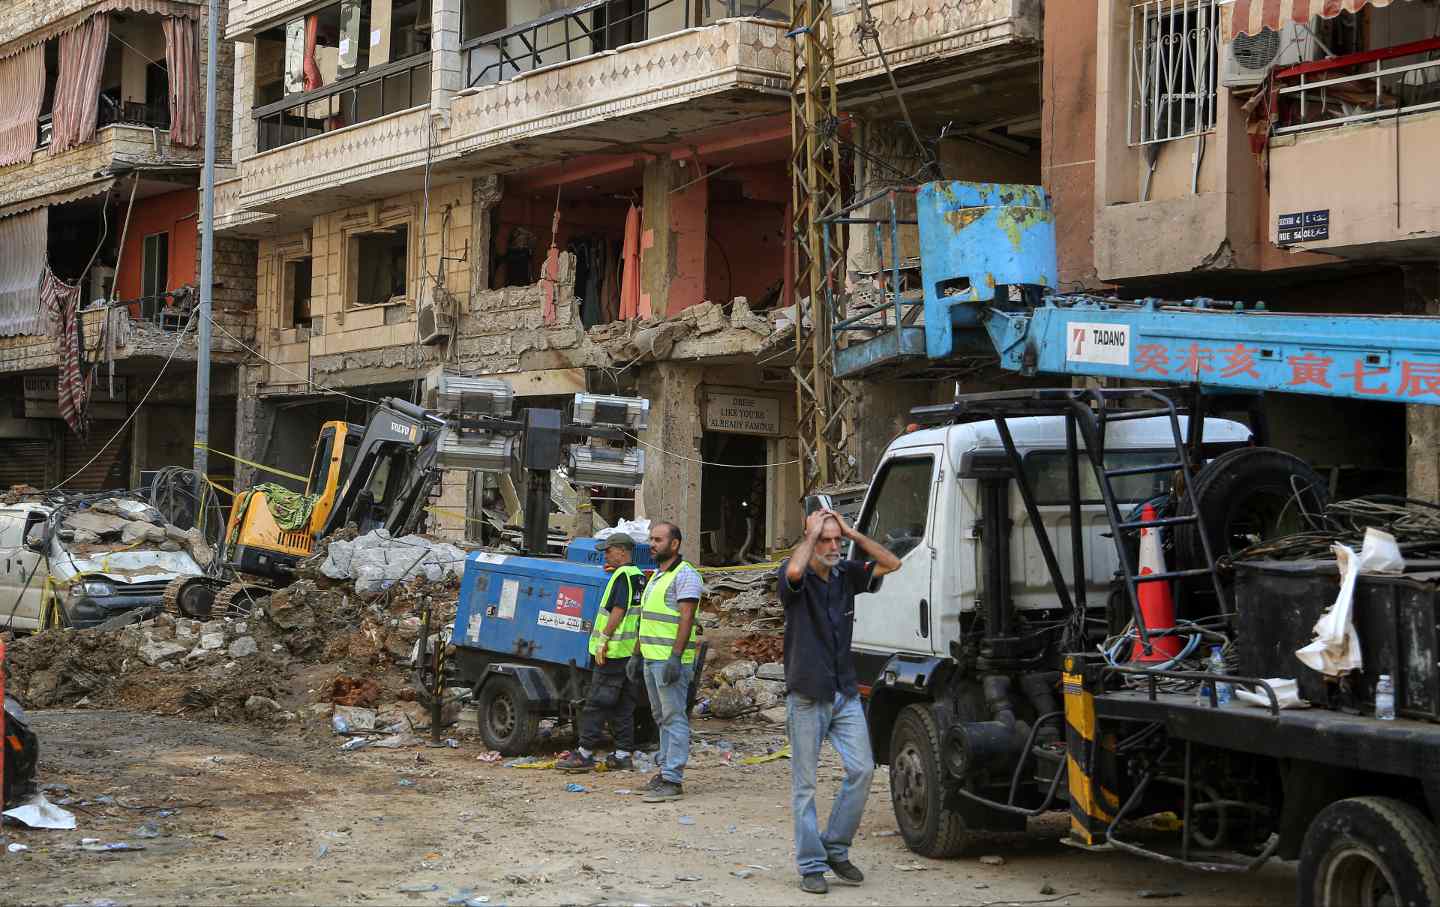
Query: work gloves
(635, 669)
(671, 672)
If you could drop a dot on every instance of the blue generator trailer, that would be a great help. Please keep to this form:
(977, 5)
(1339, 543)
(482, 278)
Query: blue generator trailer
(522, 634)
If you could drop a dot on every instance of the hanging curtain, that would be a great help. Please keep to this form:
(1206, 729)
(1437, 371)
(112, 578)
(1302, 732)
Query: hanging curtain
(22, 261)
(77, 92)
(630, 273)
(313, 79)
(61, 303)
(23, 76)
(183, 66)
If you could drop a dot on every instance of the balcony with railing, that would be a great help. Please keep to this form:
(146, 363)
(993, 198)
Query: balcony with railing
(1352, 153)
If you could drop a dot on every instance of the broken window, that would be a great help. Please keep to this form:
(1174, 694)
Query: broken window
(295, 294)
(379, 266)
(155, 273)
(1172, 69)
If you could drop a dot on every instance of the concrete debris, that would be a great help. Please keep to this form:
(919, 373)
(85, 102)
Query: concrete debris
(776, 715)
(762, 693)
(376, 561)
(737, 671)
(771, 671)
(243, 647)
(729, 703)
(154, 652)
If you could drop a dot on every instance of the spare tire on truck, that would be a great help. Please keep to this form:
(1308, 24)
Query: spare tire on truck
(1246, 496)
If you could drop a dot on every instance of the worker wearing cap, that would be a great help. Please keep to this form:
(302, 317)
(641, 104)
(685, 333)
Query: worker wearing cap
(612, 697)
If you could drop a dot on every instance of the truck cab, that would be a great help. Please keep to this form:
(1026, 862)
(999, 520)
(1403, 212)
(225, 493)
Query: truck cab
(928, 503)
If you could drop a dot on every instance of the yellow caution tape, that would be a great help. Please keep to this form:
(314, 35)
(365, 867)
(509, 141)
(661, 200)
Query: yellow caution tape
(548, 764)
(269, 469)
(782, 753)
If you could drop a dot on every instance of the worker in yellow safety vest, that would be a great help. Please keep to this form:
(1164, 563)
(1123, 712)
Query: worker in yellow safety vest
(612, 697)
(666, 656)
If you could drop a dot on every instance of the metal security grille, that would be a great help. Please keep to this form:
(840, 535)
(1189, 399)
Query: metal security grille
(1173, 58)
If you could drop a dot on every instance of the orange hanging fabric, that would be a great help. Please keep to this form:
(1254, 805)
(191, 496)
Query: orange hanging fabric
(630, 275)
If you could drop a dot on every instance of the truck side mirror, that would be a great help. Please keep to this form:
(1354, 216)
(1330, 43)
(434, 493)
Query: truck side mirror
(814, 502)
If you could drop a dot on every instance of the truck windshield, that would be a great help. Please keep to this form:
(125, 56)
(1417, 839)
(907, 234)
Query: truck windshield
(1048, 473)
(899, 508)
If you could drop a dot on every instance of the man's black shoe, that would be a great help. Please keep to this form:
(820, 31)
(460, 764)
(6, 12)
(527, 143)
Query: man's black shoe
(815, 883)
(846, 871)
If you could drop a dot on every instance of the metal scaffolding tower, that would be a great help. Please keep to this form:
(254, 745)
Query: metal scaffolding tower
(824, 406)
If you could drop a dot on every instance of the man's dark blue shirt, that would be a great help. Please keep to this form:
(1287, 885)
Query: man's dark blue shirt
(819, 621)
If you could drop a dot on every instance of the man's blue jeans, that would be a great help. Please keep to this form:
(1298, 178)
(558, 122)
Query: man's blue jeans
(667, 704)
(809, 722)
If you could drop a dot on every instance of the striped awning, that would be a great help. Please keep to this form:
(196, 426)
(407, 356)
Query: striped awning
(1250, 17)
(185, 9)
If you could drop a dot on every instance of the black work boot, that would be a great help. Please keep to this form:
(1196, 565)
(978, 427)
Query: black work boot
(846, 871)
(619, 763)
(815, 883)
(665, 790)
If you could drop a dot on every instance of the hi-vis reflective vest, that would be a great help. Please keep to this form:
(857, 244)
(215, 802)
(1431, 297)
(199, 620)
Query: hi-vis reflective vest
(659, 623)
(622, 644)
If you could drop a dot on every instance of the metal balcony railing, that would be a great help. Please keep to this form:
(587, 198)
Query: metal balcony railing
(383, 90)
(1375, 84)
(594, 27)
(133, 113)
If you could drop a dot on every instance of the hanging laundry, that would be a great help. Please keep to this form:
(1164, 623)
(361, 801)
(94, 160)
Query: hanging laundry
(61, 303)
(630, 276)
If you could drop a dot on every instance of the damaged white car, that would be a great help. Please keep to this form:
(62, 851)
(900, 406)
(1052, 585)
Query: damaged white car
(94, 558)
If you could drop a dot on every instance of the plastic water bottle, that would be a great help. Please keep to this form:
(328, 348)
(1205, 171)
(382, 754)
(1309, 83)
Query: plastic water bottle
(1223, 690)
(1385, 698)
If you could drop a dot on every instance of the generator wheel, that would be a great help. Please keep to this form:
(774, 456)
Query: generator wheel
(917, 790)
(508, 724)
(1246, 496)
(1369, 852)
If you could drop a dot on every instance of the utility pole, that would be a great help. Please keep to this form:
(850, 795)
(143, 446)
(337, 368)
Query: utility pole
(823, 405)
(207, 249)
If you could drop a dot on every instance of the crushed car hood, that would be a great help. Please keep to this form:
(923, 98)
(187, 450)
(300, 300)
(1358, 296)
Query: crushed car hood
(129, 566)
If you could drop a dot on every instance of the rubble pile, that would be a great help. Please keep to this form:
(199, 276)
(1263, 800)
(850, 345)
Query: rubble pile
(745, 687)
(115, 524)
(743, 599)
(302, 650)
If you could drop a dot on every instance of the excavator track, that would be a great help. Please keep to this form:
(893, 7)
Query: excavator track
(238, 599)
(191, 596)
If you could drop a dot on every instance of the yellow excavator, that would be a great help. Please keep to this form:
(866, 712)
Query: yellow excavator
(376, 475)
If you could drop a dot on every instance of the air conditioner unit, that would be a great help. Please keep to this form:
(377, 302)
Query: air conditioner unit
(437, 315)
(1248, 59)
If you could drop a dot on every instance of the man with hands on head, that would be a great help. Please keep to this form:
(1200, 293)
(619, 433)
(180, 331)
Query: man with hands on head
(667, 656)
(818, 587)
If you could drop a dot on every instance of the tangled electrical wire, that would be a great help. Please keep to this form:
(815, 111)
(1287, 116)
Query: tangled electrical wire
(184, 498)
(1415, 525)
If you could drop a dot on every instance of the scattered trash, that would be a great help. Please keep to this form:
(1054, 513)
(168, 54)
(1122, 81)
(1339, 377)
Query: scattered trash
(166, 813)
(687, 820)
(574, 788)
(452, 743)
(489, 756)
(17, 848)
(991, 859)
(782, 753)
(1156, 893)
(113, 847)
(887, 834)
(743, 873)
(731, 829)
(688, 879)
(148, 830)
(355, 743)
(530, 762)
(1047, 888)
(396, 741)
(624, 792)
(89, 840)
(38, 812)
(418, 887)
(912, 867)
(464, 898)
(407, 782)
(322, 852)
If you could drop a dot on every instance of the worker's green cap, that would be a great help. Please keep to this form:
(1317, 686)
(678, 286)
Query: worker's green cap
(618, 539)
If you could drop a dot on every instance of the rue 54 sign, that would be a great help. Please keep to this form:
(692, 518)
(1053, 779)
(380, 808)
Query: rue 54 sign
(1302, 226)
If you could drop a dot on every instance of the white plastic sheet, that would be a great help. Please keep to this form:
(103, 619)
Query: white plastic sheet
(41, 813)
(1287, 694)
(375, 561)
(1336, 648)
(639, 530)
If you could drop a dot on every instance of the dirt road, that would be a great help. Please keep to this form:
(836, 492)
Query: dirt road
(279, 816)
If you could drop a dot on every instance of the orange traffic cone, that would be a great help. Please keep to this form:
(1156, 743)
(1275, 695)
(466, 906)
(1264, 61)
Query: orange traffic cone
(1157, 605)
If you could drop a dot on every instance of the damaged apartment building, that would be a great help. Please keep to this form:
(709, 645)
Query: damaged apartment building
(1281, 153)
(101, 131)
(585, 196)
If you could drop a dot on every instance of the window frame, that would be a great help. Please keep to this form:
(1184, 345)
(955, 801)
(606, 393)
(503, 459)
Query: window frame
(285, 291)
(867, 512)
(350, 288)
(163, 240)
(1149, 104)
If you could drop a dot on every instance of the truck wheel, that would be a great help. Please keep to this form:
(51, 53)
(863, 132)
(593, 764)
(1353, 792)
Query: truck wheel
(1369, 851)
(507, 723)
(916, 789)
(1246, 496)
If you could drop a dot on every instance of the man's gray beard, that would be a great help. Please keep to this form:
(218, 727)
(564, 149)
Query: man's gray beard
(830, 560)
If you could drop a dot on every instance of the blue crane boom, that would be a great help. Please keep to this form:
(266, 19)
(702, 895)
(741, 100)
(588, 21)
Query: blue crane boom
(988, 266)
